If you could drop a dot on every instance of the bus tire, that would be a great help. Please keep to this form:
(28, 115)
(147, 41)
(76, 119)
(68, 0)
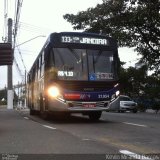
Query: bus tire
(95, 115)
(43, 114)
(32, 112)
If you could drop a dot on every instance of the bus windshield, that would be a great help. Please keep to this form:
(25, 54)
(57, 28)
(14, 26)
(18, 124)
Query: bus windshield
(84, 64)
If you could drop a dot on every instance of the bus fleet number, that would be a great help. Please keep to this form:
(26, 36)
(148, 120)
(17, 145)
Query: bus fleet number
(100, 96)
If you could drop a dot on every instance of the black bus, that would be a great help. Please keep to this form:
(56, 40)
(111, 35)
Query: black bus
(74, 73)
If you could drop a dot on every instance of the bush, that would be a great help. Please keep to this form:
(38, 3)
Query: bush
(141, 107)
(156, 106)
(3, 102)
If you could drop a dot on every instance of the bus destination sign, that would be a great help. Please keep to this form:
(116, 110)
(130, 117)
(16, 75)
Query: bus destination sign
(84, 40)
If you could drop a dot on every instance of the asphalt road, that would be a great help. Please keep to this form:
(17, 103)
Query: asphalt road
(114, 133)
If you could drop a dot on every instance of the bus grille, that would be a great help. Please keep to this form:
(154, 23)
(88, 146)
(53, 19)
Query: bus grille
(80, 104)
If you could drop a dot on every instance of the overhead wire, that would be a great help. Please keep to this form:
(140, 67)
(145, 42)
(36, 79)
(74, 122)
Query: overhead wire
(30, 28)
(27, 52)
(21, 58)
(17, 17)
(18, 5)
(33, 28)
(18, 68)
(4, 38)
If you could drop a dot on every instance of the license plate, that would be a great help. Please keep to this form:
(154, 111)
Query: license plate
(89, 105)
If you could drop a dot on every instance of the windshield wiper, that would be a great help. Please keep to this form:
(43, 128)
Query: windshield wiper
(75, 55)
(60, 56)
(99, 54)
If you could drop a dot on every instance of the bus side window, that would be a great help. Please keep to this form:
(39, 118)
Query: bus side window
(42, 64)
(42, 57)
(37, 70)
(51, 58)
(33, 74)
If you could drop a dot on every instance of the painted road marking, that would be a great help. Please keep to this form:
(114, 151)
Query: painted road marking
(26, 118)
(134, 155)
(134, 124)
(48, 127)
(85, 139)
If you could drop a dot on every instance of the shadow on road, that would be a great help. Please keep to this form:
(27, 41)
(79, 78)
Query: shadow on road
(62, 119)
(76, 119)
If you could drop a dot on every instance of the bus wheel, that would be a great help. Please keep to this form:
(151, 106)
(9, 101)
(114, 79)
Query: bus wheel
(44, 114)
(32, 112)
(94, 115)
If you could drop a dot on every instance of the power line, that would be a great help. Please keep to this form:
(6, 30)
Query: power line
(18, 5)
(18, 68)
(17, 17)
(34, 28)
(21, 58)
(30, 28)
(4, 38)
(28, 52)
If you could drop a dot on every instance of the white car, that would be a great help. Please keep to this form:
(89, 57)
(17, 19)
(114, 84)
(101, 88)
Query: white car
(127, 104)
(123, 103)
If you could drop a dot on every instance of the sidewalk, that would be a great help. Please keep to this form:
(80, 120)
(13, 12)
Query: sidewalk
(15, 108)
(22, 109)
(152, 111)
(3, 106)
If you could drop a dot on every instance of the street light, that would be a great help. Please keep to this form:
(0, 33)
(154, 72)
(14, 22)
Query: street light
(30, 40)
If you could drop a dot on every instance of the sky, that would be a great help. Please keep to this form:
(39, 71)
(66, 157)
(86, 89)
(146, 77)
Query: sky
(38, 19)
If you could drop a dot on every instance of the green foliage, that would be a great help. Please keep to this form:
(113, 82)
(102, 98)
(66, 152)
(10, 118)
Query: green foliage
(132, 79)
(3, 97)
(156, 106)
(3, 94)
(134, 23)
(152, 87)
(141, 107)
(136, 83)
(3, 102)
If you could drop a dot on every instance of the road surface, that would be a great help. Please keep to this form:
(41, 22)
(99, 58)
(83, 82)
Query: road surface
(115, 133)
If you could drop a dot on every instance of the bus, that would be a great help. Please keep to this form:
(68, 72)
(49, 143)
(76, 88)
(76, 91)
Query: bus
(75, 72)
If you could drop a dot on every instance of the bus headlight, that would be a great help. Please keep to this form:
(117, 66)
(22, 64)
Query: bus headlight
(53, 91)
(117, 93)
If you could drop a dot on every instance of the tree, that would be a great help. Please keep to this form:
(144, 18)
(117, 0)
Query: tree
(132, 80)
(3, 97)
(134, 23)
(152, 87)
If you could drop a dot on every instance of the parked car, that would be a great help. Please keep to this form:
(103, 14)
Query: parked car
(124, 103)
(127, 104)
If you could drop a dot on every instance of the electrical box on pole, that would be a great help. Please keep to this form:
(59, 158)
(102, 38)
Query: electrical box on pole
(6, 54)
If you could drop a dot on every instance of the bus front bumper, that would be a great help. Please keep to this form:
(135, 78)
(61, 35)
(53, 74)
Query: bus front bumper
(77, 106)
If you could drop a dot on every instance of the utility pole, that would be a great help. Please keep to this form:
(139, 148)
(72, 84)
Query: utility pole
(9, 78)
